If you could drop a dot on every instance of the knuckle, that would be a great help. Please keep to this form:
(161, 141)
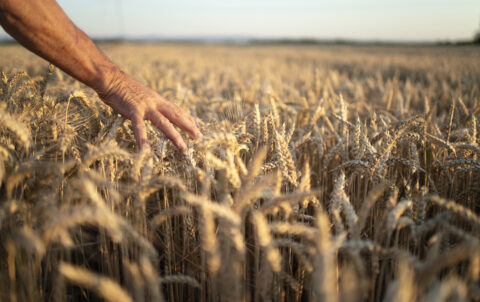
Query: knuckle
(162, 120)
(136, 114)
(179, 112)
(178, 109)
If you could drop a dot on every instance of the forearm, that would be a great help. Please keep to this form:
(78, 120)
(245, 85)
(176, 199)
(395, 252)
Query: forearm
(43, 28)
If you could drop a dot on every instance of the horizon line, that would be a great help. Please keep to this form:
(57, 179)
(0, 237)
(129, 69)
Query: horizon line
(245, 39)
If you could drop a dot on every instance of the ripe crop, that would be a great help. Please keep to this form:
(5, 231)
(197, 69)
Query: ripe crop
(330, 173)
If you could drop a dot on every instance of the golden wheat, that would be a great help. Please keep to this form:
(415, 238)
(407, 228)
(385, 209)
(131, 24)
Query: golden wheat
(327, 173)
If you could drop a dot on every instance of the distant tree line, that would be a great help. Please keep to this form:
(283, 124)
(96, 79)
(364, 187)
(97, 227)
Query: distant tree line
(476, 38)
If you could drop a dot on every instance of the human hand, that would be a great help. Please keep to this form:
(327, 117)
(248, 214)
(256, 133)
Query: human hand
(138, 103)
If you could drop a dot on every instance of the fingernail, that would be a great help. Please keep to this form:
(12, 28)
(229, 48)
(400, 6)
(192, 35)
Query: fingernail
(198, 134)
(182, 146)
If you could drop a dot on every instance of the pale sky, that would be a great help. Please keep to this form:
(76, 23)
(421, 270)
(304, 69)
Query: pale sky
(407, 20)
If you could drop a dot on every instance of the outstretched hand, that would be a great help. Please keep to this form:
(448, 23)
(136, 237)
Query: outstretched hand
(138, 103)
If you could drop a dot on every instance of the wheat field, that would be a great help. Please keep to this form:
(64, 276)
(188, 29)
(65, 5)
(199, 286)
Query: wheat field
(325, 173)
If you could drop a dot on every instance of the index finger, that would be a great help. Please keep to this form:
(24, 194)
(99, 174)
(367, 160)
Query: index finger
(179, 117)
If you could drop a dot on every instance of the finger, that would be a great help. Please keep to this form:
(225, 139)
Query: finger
(140, 132)
(180, 117)
(167, 128)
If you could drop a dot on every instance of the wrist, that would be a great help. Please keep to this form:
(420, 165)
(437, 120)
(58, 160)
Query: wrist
(109, 81)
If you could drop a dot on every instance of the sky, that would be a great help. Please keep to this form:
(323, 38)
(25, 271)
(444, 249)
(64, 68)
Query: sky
(388, 20)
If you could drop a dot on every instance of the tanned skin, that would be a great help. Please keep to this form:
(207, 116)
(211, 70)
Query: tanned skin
(42, 27)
